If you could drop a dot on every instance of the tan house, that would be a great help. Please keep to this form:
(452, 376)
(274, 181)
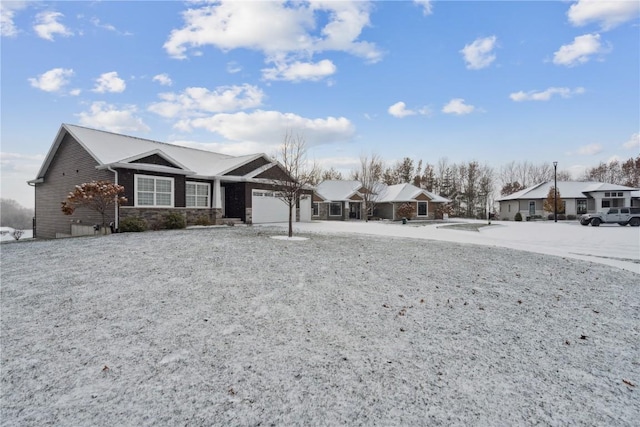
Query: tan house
(391, 197)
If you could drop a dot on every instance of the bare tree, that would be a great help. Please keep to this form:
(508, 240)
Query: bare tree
(370, 176)
(293, 161)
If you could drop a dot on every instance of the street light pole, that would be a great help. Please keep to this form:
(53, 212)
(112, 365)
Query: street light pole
(555, 191)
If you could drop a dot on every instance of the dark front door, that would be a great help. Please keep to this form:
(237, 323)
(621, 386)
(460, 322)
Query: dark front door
(354, 210)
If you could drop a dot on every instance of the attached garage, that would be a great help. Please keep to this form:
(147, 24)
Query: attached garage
(266, 207)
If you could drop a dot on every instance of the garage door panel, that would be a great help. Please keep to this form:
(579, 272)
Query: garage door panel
(268, 208)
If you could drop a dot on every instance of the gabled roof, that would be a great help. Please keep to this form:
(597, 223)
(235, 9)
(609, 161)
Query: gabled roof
(115, 150)
(406, 193)
(338, 190)
(567, 190)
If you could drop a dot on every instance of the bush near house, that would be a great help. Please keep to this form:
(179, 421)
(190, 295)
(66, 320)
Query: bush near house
(406, 210)
(174, 221)
(132, 224)
(517, 217)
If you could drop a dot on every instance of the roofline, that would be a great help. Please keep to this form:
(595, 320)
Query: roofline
(147, 167)
(248, 160)
(156, 151)
(64, 129)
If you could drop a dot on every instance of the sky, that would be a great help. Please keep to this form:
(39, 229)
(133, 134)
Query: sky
(493, 82)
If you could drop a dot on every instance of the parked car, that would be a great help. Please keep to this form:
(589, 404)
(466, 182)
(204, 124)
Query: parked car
(622, 216)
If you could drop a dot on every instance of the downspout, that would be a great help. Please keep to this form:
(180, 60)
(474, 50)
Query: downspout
(117, 205)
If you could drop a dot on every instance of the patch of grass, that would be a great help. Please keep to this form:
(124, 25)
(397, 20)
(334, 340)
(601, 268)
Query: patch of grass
(466, 226)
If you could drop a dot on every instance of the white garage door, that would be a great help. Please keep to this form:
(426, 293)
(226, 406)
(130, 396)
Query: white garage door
(265, 207)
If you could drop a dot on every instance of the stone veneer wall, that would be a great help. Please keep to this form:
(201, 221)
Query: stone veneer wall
(155, 215)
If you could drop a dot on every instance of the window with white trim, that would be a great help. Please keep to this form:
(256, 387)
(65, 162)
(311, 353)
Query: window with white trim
(316, 209)
(423, 208)
(153, 191)
(198, 194)
(335, 209)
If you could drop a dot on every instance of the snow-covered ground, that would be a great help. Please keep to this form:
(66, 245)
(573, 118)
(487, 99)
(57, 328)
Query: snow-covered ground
(608, 244)
(6, 234)
(228, 326)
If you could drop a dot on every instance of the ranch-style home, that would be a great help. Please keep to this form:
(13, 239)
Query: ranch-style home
(339, 200)
(577, 197)
(391, 197)
(157, 178)
(342, 200)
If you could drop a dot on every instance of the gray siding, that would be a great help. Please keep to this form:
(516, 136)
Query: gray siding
(71, 166)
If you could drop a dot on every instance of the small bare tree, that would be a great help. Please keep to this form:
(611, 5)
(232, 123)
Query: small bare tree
(370, 176)
(293, 160)
(98, 196)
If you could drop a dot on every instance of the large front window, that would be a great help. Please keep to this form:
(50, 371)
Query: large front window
(335, 209)
(198, 194)
(581, 206)
(153, 191)
(422, 208)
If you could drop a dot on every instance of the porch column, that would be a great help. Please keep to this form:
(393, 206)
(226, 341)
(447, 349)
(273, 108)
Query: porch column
(217, 197)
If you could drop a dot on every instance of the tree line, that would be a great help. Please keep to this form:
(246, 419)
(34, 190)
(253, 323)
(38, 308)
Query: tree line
(472, 186)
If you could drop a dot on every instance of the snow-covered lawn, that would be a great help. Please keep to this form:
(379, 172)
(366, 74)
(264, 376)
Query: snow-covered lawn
(608, 244)
(228, 326)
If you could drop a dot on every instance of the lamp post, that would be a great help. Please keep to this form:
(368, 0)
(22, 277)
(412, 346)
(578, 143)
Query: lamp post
(555, 191)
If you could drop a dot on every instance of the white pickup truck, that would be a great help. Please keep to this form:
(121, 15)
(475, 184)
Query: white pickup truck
(622, 216)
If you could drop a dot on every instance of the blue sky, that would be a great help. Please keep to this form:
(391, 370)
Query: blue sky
(493, 81)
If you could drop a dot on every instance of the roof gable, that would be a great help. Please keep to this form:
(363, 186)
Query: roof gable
(114, 150)
(567, 190)
(338, 190)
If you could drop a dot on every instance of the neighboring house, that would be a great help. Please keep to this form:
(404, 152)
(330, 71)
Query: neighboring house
(158, 178)
(635, 198)
(578, 198)
(391, 197)
(339, 200)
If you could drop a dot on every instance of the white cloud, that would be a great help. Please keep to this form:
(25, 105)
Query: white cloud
(399, 109)
(198, 101)
(7, 13)
(47, 25)
(53, 80)
(427, 6)
(609, 14)
(163, 79)
(546, 95)
(231, 148)
(109, 82)
(590, 149)
(633, 143)
(298, 71)
(580, 51)
(269, 126)
(285, 32)
(479, 54)
(233, 67)
(457, 106)
(105, 116)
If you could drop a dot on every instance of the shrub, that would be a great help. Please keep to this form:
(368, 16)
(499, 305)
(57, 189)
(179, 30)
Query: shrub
(562, 217)
(406, 210)
(132, 224)
(174, 220)
(202, 220)
(517, 217)
(571, 217)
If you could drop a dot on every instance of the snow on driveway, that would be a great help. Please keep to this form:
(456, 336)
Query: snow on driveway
(608, 244)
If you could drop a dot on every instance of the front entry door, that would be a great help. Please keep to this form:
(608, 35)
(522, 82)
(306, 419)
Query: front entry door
(354, 210)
